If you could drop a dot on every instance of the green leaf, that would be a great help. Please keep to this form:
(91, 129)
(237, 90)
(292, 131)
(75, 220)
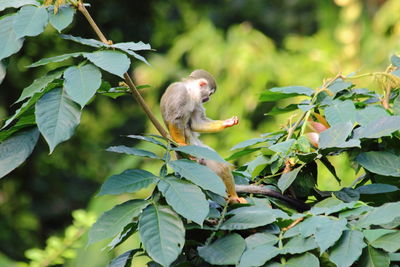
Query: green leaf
(348, 249)
(276, 111)
(306, 260)
(382, 126)
(124, 259)
(147, 139)
(249, 217)
(30, 21)
(395, 60)
(224, 251)
(372, 257)
(128, 181)
(113, 221)
(185, 198)
(200, 152)
(39, 84)
(299, 244)
(128, 231)
(329, 232)
(380, 215)
(9, 44)
(339, 85)
(200, 175)
(260, 239)
(287, 179)
(112, 61)
(258, 255)
(389, 242)
(376, 189)
(60, 58)
(340, 112)
(336, 136)
(16, 3)
(370, 114)
(241, 153)
(82, 82)
(380, 162)
(57, 117)
(63, 18)
(278, 93)
(89, 42)
(373, 234)
(330, 205)
(15, 150)
(162, 234)
(130, 47)
(24, 121)
(248, 142)
(283, 147)
(132, 151)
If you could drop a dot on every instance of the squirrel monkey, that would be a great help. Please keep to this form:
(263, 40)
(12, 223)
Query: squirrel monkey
(184, 115)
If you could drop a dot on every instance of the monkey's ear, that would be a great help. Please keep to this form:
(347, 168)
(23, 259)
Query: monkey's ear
(202, 83)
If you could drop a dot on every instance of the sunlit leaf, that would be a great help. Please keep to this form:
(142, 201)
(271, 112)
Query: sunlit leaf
(162, 233)
(278, 93)
(128, 181)
(62, 18)
(15, 150)
(185, 198)
(9, 44)
(380, 162)
(112, 61)
(57, 117)
(30, 21)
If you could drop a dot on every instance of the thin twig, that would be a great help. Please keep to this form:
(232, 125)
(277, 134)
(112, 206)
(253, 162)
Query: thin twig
(221, 219)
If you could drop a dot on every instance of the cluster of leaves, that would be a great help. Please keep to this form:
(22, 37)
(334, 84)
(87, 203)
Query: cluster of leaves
(53, 103)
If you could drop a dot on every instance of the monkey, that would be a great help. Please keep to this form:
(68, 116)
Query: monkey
(184, 115)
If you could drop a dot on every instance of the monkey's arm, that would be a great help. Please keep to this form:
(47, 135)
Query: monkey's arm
(205, 125)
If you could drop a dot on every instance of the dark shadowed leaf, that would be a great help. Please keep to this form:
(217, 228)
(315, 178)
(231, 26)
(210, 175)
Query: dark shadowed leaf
(200, 152)
(15, 150)
(185, 198)
(382, 126)
(200, 175)
(372, 257)
(30, 21)
(127, 182)
(162, 233)
(113, 221)
(9, 43)
(224, 251)
(59, 58)
(63, 18)
(124, 259)
(341, 112)
(347, 194)
(132, 151)
(376, 189)
(287, 179)
(249, 217)
(57, 117)
(380, 162)
(82, 82)
(348, 249)
(112, 61)
(16, 3)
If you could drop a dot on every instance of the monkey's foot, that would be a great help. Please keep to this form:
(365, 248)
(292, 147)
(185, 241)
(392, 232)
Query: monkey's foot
(234, 200)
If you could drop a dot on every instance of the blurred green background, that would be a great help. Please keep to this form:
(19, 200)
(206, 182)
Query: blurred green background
(248, 45)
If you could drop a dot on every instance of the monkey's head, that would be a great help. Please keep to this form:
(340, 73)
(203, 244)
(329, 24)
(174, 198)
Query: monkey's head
(207, 83)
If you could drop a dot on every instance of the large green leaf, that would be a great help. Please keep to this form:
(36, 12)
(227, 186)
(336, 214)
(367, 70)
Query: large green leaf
(84, 41)
(382, 126)
(200, 152)
(283, 147)
(373, 234)
(128, 181)
(340, 112)
(372, 257)
(82, 82)
(15, 150)
(348, 249)
(112, 61)
(200, 175)
(330, 205)
(305, 260)
(370, 114)
(260, 239)
(133, 151)
(339, 85)
(162, 233)
(259, 255)
(299, 244)
(336, 136)
(130, 47)
(57, 117)
(16, 3)
(39, 84)
(278, 93)
(147, 139)
(30, 21)
(113, 221)
(123, 260)
(376, 189)
(380, 215)
(249, 217)
(62, 18)
(9, 44)
(59, 58)
(329, 232)
(389, 242)
(287, 179)
(224, 251)
(380, 162)
(185, 198)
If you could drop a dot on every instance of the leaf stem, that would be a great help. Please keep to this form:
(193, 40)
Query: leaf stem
(221, 219)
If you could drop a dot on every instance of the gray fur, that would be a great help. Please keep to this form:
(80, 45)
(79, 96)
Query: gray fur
(202, 74)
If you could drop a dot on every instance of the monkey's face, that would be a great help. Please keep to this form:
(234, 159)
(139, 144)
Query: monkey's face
(205, 90)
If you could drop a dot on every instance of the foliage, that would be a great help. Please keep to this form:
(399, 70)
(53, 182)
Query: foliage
(186, 219)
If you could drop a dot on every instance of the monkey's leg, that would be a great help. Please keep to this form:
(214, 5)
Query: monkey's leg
(224, 172)
(177, 134)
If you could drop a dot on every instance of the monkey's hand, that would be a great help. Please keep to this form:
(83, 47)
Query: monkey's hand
(231, 122)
